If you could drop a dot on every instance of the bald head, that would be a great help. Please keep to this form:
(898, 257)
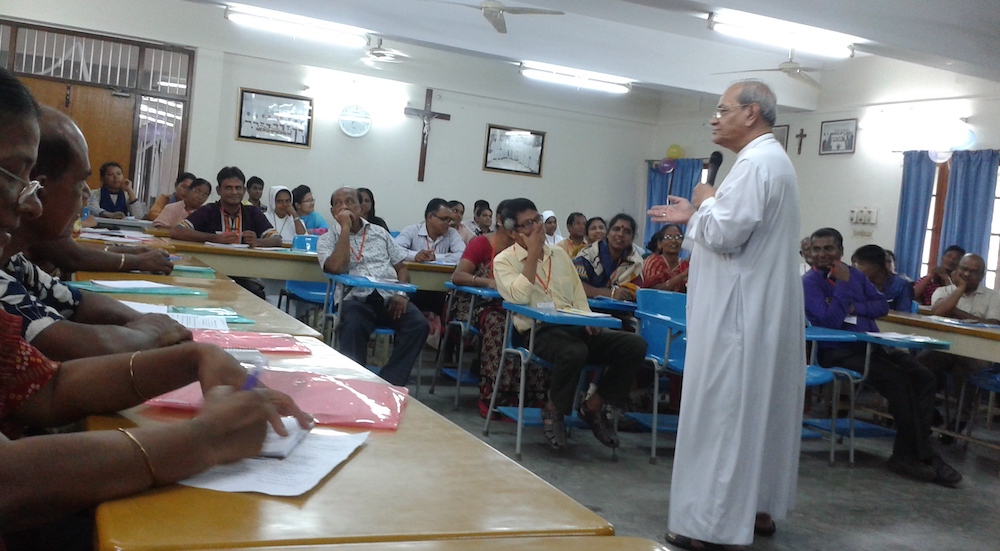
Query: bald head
(971, 268)
(344, 200)
(63, 166)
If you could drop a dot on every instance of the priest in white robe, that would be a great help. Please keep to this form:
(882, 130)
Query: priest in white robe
(737, 454)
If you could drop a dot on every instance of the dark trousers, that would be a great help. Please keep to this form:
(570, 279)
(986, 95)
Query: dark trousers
(570, 349)
(908, 386)
(357, 320)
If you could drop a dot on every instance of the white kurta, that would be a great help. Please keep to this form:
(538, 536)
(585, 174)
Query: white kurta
(737, 449)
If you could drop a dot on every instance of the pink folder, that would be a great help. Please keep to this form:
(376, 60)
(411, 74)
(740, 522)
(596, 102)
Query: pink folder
(331, 400)
(271, 343)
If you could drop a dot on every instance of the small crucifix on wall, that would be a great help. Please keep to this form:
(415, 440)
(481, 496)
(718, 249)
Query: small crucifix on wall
(801, 135)
(426, 115)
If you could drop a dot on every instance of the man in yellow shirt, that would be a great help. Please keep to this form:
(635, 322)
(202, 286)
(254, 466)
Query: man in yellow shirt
(542, 276)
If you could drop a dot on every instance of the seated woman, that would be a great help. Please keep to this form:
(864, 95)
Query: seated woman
(612, 267)
(194, 196)
(597, 229)
(482, 221)
(115, 198)
(45, 478)
(475, 269)
(664, 269)
(181, 186)
(457, 215)
(282, 215)
(305, 206)
(551, 223)
(367, 201)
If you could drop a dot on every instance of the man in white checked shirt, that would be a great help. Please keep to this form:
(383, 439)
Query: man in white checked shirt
(353, 246)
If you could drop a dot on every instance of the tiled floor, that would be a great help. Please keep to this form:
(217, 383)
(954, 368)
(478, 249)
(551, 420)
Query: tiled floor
(839, 508)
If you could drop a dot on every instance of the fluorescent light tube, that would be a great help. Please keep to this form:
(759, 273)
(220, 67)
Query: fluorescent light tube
(297, 26)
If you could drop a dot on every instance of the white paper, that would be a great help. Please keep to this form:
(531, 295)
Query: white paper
(319, 453)
(578, 312)
(229, 245)
(194, 321)
(144, 308)
(130, 284)
(276, 445)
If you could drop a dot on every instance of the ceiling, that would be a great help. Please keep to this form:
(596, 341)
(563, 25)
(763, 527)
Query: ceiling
(664, 44)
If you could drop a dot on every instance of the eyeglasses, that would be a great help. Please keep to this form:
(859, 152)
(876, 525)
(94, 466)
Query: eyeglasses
(673, 237)
(527, 224)
(27, 188)
(719, 111)
(445, 219)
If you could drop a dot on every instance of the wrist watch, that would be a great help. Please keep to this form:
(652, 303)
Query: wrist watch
(403, 294)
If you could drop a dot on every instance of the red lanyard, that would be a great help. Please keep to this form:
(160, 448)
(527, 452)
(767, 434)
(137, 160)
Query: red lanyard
(227, 225)
(430, 244)
(548, 278)
(364, 235)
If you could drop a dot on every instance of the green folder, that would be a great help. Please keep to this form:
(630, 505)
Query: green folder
(194, 271)
(173, 290)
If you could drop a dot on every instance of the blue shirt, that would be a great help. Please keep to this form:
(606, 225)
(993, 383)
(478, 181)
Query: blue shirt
(829, 303)
(899, 293)
(313, 221)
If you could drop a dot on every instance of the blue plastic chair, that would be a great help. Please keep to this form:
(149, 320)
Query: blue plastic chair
(533, 416)
(465, 329)
(309, 292)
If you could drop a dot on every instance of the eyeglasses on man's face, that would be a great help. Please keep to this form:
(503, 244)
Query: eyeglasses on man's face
(445, 219)
(719, 111)
(27, 188)
(527, 224)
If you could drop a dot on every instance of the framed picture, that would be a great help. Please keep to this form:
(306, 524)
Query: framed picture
(270, 117)
(836, 137)
(513, 150)
(781, 134)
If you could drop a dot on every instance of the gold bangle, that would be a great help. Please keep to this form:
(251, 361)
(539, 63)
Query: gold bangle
(145, 454)
(122, 263)
(131, 375)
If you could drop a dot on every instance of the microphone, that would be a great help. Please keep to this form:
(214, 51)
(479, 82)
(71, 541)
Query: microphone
(714, 162)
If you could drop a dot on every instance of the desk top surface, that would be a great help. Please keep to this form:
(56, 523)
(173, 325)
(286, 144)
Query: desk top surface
(926, 322)
(425, 481)
(576, 543)
(221, 292)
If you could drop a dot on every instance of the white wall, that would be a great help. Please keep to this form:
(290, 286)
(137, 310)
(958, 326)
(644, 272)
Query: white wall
(595, 144)
(832, 184)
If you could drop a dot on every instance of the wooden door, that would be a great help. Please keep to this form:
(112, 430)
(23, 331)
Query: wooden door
(106, 119)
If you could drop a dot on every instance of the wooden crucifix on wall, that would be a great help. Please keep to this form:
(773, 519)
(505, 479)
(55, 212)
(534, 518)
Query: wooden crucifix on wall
(426, 115)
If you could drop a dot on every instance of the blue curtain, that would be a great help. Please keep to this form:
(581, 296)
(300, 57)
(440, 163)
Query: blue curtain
(914, 207)
(968, 208)
(680, 182)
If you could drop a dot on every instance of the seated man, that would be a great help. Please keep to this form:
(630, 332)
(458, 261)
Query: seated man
(841, 297)
(435, 239)
(576, 229)
(534, 273)
(115, 198)
(47, 240)
(181, 185)
(938, 276)
(965, 299)
(255, 190)
(354, 246)
(228, 220)
(870, 259)
(62, 322)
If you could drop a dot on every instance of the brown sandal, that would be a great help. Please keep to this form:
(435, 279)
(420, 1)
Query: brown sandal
(554, 429)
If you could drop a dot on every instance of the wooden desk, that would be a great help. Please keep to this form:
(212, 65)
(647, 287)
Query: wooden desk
(429, 480)
(973, 342)
(270, 264)
(221, 292)
(429, 277)
(579, 543)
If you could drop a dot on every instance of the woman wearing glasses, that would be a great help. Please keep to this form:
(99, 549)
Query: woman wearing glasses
(664, 269)
(305, 206)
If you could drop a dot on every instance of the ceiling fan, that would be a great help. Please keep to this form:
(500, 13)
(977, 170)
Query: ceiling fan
(379, 54)
(494, 11)
(792, 68)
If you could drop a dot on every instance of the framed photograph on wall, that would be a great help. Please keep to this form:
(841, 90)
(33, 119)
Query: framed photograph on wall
(781, 134)
(837, 137)
(513, 150)
(270, 117)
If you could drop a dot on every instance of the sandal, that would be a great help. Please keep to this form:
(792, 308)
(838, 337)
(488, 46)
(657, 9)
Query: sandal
(554, 429)
(603, 428)
(685, 542)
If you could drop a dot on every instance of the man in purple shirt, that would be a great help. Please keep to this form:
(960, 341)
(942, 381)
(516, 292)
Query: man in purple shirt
(839, 296)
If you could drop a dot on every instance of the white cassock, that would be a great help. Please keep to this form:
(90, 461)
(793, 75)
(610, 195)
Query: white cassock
(737, 449)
